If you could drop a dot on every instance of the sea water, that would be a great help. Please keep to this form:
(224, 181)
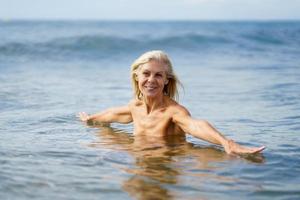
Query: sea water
(243, 77)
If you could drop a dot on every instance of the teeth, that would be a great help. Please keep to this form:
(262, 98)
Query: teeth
(149, 87)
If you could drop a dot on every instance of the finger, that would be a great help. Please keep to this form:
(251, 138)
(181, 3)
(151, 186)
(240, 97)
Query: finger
(83, 115)
(79, 114)
(257, 150)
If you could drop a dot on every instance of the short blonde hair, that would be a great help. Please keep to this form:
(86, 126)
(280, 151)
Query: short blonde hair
(170, 88)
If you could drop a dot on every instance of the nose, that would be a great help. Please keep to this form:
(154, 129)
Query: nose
(151, 78)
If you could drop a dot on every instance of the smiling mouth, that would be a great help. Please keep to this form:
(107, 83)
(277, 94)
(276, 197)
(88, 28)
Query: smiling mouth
(150, 87)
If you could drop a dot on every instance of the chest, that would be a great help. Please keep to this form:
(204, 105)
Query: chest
(158, 122)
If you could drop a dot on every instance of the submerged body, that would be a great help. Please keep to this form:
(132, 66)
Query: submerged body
(155, 113)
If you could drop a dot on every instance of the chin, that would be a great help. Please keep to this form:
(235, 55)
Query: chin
(150, 95)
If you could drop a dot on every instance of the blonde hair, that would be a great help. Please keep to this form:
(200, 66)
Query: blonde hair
(170, 88)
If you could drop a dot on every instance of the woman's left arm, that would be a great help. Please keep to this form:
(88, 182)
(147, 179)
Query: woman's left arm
(204, 130)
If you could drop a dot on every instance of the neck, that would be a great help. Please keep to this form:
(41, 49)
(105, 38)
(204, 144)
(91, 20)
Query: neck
(153, 103)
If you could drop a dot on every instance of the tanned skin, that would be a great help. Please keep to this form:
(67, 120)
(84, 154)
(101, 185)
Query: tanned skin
(157, 115)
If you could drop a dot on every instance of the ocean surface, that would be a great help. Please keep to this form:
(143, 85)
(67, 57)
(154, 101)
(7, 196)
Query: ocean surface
(243, 77)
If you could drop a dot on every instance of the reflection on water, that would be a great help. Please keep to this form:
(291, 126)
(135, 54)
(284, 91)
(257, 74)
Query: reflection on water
(160, 164)
(248, 87)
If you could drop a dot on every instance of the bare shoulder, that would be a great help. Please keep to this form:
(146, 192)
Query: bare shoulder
(134, 103)
(177, 109)
(179, 114)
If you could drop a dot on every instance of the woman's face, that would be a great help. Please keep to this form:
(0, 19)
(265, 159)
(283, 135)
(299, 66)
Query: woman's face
(152, 78)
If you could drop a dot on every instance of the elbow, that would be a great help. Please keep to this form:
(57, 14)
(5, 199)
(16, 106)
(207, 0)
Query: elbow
(125, 119)
(197, 126)
(203, 123)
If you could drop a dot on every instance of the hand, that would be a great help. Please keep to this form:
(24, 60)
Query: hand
(233, 148)
(83, 116)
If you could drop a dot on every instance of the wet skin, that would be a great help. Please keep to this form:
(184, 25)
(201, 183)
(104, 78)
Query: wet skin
(156, 115)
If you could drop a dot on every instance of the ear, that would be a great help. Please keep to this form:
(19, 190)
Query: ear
(136, 77)
(166, 82)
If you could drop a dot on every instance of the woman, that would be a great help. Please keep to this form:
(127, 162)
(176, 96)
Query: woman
(154, 111)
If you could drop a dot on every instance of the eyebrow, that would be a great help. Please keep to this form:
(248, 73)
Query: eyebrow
(146, 70)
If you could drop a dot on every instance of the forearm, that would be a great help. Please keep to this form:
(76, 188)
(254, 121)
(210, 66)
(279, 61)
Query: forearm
(102, 117)
(118, 114)
(205, 131)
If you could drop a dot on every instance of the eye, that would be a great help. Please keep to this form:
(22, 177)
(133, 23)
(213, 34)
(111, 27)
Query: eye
(159, 75)
(146, 73)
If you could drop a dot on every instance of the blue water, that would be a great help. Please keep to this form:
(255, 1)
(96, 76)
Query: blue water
(243, 77)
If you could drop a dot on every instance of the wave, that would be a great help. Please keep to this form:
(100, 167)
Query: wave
(101, 45)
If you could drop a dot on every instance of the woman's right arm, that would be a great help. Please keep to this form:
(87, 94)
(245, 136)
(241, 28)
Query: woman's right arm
(117, 114)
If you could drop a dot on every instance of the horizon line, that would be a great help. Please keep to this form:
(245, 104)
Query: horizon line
(151, 20)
